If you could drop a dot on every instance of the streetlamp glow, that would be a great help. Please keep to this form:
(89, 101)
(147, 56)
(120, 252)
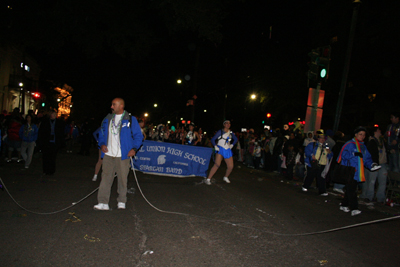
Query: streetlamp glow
(168, 122)
(179, 81)
(253, 96)
(181, 119)
(155, 105)
(205, 110)
(146, 115)
(58, 100)
(21, 84)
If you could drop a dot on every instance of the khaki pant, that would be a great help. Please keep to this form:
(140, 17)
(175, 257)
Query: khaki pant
(110, 166)
(27, 151)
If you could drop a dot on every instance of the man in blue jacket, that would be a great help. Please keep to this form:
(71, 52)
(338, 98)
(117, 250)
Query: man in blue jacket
(119, 139)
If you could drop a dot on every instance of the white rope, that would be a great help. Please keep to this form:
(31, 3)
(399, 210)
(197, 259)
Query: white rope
(274, 233)
(46, 213)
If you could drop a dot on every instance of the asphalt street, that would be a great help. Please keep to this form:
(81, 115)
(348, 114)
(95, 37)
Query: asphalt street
(257, 220)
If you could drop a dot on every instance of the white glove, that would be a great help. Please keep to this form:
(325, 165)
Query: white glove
(230, 146)
(375, 166)
(216, 148)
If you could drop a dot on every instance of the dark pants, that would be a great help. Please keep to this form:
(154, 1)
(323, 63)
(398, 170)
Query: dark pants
(274, 162)
(257, 161)
(289, 171)
(315, 174)
(350, 196)
(85, 146)
(49, 158)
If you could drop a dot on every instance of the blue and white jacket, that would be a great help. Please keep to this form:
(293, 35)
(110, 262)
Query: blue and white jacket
(228, 142)
(311, 149)
(130, 136)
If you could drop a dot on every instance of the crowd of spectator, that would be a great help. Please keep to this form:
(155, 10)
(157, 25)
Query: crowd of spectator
(280, 150)
(20, 137)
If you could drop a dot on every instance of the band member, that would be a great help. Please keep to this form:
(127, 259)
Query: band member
(223, 141)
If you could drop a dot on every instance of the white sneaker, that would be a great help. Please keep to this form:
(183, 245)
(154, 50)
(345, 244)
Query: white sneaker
(94, 178)
(207, 181)
(345, 209)
(304, 189)
(338, 190)
(101, 206)
(121, 205)
(324, 195)
(226, 180)
(355, 212)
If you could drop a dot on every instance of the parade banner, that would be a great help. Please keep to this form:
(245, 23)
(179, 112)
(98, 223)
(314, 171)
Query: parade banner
(172, 159)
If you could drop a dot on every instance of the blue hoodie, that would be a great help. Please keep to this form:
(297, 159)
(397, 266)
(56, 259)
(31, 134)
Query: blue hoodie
(28, 135)
(130, 136)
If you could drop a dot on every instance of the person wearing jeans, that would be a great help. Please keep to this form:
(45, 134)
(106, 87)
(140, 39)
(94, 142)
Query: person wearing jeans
(28, 134)
(376, 148)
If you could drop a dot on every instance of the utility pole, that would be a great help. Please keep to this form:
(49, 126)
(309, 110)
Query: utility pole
(346, 65)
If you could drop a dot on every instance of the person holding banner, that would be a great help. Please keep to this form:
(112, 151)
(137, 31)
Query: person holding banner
(191, 137)
(223, 141)
(119, 139)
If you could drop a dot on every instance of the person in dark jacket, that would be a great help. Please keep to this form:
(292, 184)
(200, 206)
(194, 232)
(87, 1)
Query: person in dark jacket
(393, 138)
(50, 140)
(13, 139)
(376, 148)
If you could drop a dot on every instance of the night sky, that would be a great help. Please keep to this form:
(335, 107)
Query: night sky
(138, 49)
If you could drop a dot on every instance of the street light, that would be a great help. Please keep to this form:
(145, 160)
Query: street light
(205, 110)
(155, 105)
(146, 115)
(179, 81)
(21, 84)
(253, 96)
(168, 122)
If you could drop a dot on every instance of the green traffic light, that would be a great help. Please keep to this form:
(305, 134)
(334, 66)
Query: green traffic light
(323, 73)
(263, 122)
(42, 104)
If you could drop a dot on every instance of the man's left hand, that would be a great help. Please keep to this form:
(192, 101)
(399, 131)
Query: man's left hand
(131, 153)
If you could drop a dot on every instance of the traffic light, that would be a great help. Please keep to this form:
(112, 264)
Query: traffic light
(323, 62)
(313, 72)
(319, 63)
(36, 95)
(43, 104)
(269, 115)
